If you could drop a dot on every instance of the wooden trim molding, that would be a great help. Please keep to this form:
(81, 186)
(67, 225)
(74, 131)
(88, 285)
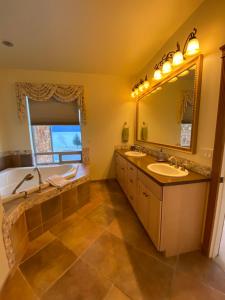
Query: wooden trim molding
(216, 163)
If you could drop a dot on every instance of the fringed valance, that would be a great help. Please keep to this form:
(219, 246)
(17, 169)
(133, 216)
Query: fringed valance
(47, 91)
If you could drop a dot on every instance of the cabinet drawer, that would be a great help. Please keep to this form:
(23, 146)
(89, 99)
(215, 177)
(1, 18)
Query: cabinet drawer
(155, 188)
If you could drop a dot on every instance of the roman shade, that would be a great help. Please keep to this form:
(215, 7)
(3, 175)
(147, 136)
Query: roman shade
(53, 112)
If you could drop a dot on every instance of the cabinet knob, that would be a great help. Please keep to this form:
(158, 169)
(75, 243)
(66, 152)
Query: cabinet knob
(131, 181)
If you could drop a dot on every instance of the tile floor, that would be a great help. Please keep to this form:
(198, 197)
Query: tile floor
(103, 252)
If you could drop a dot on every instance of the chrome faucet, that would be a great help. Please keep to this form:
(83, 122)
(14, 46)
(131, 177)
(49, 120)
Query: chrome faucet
(40, 181)
(171, 159)
(26, 178)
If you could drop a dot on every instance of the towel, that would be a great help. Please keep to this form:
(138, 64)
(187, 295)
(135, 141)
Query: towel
(57, 181)
(125, 134)
(144, 133)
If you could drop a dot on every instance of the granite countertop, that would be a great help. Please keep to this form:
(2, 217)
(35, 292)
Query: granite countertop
(142, 162)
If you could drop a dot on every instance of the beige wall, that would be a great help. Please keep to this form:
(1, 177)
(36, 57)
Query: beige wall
(210, 21)
(108, 107)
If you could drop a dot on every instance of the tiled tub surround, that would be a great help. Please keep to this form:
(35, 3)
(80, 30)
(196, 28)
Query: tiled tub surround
(9, 179)
(15, 159)
(189, 164)
(25, 219)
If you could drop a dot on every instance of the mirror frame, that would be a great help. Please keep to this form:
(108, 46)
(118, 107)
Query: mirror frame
(197, 60)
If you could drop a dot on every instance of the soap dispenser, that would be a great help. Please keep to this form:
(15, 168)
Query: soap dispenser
(161, 156)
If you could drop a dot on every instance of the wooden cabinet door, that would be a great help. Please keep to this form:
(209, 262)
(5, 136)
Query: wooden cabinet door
(121, 172)
(143, 205)
(132, 184)
(154, 226)
(149, 211)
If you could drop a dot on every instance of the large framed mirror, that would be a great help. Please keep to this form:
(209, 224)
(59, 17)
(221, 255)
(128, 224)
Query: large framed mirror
(167, 115)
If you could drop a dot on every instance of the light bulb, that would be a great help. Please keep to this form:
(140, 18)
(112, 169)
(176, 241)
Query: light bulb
(136, 91)
(173, 79)
(167, 67)
(157, 74)
(146, 84)
(133, 94)
(192, 47)
(141, 87)
(178, 58)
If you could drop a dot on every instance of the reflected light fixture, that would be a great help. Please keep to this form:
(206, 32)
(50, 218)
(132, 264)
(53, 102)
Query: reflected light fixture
(183, 73)
(173, 79)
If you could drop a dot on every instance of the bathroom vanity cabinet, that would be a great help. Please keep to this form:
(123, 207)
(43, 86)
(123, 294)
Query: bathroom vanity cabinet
(171, 210)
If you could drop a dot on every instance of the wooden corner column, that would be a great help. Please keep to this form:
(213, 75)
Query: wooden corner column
(216, 163)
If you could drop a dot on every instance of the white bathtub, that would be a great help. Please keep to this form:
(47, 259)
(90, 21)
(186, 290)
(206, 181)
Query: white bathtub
(9, 178)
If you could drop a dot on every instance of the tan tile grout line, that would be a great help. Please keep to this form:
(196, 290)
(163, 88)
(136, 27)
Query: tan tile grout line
(28, 284)
(42, 247)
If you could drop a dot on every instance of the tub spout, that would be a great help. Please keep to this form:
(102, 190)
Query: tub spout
(26, 178)
(40, 181)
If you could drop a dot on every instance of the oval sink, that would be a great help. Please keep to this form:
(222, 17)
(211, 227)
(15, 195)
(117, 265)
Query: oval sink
(167, 170)
(135, 153)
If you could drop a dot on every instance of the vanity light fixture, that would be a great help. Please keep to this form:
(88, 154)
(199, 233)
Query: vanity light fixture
(178, 57)
(164, 67)
(133, 93)
(191, 47)
(192, 44)
(146, 83)
(157, 74)
(140, 87)
(167, 67)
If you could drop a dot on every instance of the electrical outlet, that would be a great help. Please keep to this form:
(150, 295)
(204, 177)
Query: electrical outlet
(207, 153)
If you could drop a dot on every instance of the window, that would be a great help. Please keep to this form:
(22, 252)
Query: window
(55, 131)
(185, 137)
(57, 143)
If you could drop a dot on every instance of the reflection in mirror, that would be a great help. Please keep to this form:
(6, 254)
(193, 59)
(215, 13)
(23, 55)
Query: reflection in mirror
(165, 116)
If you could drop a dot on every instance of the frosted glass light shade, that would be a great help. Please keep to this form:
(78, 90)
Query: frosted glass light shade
(178, 58)
(141, 87)
(136, 91)
(193, 47)
(146, 84)
(167, 67)
(133, 94)
(157, 74)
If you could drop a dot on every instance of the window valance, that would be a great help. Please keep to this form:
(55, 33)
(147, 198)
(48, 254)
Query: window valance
(48, 91)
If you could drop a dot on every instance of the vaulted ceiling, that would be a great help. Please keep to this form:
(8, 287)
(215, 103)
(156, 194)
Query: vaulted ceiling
(91, 36)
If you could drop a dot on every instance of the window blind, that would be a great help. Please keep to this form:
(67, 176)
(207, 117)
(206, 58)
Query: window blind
(52, 112)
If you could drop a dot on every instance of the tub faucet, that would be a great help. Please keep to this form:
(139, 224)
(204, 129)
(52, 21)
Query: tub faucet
(40, 181)
(26, 178)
